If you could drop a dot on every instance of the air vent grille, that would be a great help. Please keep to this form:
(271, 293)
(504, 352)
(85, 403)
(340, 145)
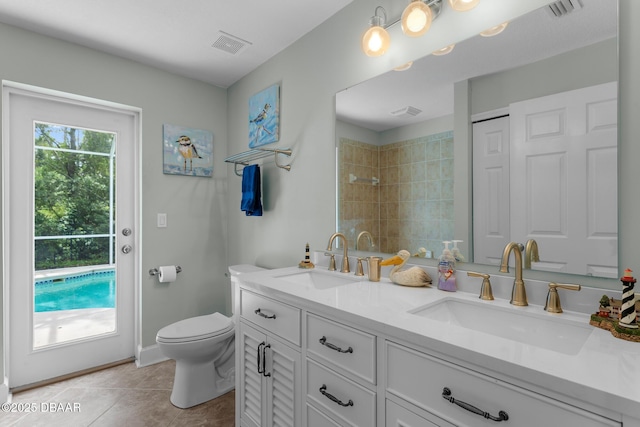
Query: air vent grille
(564, 7)
(408, 111)
(230, 44)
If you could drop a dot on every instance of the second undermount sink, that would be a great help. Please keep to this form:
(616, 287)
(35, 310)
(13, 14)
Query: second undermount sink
(317, 279)
(539, 330)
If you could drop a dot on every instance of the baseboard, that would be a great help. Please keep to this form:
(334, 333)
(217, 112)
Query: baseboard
(4, 391)
(149, 356)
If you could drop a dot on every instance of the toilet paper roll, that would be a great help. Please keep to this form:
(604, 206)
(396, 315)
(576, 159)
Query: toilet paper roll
(167, 273)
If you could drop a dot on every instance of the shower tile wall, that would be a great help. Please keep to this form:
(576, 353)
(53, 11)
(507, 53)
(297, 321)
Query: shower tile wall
(412, 207)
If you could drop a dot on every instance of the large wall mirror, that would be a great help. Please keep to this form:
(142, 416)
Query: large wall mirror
(396, 138)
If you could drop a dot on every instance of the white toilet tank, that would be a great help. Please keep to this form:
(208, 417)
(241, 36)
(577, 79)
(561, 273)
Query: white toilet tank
(234, 272)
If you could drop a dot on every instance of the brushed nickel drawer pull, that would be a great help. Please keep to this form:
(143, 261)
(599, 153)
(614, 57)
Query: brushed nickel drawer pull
(331, 397)
(260, 313)
(502, 415)
(324, 342)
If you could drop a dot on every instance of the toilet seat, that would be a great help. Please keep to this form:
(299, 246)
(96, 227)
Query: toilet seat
(196, 328)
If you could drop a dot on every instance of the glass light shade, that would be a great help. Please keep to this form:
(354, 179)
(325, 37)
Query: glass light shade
(444, 50)
(375, 41)
(404, 67)
(416, 19)
(494, 31)
(463, 5)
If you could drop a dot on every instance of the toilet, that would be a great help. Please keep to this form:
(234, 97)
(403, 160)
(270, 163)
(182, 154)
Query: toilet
(203, 348)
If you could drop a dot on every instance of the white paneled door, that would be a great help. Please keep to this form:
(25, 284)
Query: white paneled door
(564, 179)
(59, 152)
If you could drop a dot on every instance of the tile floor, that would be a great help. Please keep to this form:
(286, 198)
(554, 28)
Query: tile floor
(121, 396)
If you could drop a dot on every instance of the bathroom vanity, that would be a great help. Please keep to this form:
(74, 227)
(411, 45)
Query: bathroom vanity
(319, 348)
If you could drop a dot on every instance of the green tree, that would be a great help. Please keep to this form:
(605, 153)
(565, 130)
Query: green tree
(72, 185)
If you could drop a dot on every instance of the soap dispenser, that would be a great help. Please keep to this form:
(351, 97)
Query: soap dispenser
(456, 252)
(447, 270)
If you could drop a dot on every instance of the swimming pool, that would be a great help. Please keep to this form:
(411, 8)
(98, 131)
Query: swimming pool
(95, 289)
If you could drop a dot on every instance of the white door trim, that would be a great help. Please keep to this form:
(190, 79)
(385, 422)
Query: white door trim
(136, 113)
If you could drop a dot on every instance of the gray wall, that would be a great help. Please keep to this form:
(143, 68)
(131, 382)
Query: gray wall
(197, 231)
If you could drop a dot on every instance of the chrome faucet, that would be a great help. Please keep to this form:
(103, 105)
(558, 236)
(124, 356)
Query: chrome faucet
(530, 253)
(368, 235)
(345, 258)
(518, 293)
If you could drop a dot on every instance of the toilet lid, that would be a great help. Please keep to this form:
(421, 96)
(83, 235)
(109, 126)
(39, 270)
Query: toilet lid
(196, 328)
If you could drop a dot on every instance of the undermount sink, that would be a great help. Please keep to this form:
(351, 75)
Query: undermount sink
(317, 279)
(539, 330)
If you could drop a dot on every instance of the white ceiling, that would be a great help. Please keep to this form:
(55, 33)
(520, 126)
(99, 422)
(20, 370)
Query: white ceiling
(428, 84)
(174, 35)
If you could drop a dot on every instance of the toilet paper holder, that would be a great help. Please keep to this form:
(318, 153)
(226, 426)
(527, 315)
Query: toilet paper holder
(155, 271)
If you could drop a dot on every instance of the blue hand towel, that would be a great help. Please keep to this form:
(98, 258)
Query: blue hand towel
(251, 204)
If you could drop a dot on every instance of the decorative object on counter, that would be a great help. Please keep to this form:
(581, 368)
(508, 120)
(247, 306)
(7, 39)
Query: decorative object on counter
(251, 193)
(183, 147)
(414, 276)
(447, 270)
(264, 117)
(373, 263)
(306, 263)
(422, 253)
(616, 316)
(628, 315)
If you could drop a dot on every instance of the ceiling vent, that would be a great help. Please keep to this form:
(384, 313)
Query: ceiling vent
(408, 111)
(563, 7)
(230, 44)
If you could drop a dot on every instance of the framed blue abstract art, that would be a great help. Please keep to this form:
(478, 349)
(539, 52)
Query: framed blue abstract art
(187, 151)
(264, 117)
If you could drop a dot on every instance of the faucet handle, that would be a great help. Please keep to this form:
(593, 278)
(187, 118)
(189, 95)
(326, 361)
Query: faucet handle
(553, 299)
(359, 269)
(332, 261)
(486, 292)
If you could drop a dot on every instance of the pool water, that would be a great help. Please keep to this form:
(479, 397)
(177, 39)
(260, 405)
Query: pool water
(93, 290)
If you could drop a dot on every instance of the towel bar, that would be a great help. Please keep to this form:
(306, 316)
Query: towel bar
(245, 158)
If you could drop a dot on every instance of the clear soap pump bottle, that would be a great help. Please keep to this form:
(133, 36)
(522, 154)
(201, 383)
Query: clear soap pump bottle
(447, 270)
(456, 252)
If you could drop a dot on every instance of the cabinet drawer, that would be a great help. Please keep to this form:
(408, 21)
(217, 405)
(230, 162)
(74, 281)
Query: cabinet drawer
(397, 416)
(316, 418)
(345, 347)
(344, 399)
(277, 318)
(420, 379)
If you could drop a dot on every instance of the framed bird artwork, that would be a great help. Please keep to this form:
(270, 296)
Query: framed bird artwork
(264, 117)
(187, 151)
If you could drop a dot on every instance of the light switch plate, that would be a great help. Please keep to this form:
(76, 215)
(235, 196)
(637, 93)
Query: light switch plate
(162, 220)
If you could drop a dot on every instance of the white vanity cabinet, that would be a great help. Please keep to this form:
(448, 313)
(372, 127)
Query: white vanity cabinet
(340, 372)
(269, 364)
(457, 394)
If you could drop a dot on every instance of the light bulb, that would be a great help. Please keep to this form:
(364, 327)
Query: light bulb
(463, 5)
(375, 41)
(444, 50)
(494, 31)
(416, 19)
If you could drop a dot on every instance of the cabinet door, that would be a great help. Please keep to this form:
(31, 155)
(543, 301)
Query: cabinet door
(283, 384)
(251, 391)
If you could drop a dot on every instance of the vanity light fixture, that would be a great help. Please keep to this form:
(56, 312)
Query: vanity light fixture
(376, 40)
(416, 20)
(463, 5)
(494, 31)
(445, 50)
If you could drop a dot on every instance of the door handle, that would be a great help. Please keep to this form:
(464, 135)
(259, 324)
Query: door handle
(126, 249)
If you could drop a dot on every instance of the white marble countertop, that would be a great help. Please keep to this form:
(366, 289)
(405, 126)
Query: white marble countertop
(605, 372)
